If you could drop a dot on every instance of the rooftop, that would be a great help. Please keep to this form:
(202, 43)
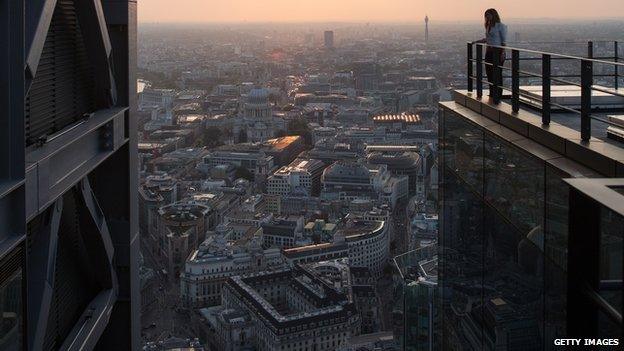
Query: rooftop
(565, 105)
(403, 117)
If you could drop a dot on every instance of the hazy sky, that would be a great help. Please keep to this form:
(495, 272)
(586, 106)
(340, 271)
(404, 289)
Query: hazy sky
(368, 10)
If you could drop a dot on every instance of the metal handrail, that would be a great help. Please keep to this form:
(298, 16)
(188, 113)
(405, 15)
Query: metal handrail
(586, 76)
(552, 54)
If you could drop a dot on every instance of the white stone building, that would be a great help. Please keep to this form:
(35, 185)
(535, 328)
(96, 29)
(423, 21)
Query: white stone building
(219, 258)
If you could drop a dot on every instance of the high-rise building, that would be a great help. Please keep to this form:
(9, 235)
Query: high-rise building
(531, 222)
(329, 39)
(426, 29)
(68, 176)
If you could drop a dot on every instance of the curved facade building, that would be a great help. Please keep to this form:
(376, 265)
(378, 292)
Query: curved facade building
(368, 242)
(347, 179)
(400, 163)
(181, 227)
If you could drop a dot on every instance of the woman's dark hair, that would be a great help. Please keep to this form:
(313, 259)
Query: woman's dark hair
(495, 18)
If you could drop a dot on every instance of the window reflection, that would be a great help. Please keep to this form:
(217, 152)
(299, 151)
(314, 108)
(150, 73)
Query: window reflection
(556, 256)
(514, 184)
(463, 150)
(462, 259)
(611, 248)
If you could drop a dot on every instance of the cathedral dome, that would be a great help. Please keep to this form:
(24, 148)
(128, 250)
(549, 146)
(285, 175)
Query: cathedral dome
(258, 96)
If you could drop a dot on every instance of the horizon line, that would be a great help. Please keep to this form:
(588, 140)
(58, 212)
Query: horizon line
(404, 21)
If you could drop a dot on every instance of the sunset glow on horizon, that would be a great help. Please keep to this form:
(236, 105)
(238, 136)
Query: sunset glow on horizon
(367, 10)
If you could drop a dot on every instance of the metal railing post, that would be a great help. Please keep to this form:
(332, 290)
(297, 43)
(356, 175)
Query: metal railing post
(469, 67)
(590, 49)
(586, 84)
(616, 58)
(515, 80)
(545, 89)
(479, 71)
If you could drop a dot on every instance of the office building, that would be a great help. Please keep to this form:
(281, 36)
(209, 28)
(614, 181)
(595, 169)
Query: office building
(427, 29)
(529, 216)
(400, 163)
(220, 257)
(301, 177)
(181, 227)
(282, 232)
(69, 258)
(329, 39)
(291, 309)
(419, 289)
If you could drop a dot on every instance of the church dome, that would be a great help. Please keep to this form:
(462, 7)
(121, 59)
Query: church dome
(258, 96)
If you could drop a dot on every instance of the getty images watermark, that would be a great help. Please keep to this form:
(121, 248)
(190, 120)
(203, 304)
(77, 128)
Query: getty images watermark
(587, 342)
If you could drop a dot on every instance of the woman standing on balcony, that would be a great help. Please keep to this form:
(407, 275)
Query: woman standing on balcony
(495, 37)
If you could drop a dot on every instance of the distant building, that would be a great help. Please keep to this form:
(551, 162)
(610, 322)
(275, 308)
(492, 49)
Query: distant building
(151, 98)
(181, 227)
(257, 158)
(367, 75)
(368, 242)
(426, 29)
(357, 283)
(157, 191)
(257, 163)
(383, 341)
(291, 309)
(320, 230)
(397, 122)
(329, 39)
(302, 176)
(218, 258)
(404, 163)
(282, 232)
(256, 122)
(348, 181)
(365, 242)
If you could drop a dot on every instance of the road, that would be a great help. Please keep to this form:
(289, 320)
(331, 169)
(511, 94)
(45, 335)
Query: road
(167, 317)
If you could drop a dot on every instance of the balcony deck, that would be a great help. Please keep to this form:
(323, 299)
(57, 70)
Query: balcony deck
(600, 153)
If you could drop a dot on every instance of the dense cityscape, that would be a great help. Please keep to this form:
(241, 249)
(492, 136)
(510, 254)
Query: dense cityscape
(289, 175)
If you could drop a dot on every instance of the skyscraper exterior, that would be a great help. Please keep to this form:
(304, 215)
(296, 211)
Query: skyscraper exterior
(68, 176)
(530, 229)
(329, 39)
(426, 29)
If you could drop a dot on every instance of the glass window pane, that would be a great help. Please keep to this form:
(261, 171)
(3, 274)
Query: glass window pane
(463, 150)
(556, 256)
(461, 265)
(514, 184)
(611, 233)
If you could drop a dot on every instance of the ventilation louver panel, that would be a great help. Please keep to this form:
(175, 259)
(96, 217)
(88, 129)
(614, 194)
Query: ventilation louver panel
(10, 264)
(74, 286)
(63, 89)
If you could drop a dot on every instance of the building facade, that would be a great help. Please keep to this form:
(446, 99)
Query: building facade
(66, 236)
(208, 268)
(302, 177)
(511, 245)
(319, 316)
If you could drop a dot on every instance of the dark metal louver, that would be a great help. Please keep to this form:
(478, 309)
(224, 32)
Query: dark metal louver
(10, 264)
(63, 89)
(74, 286)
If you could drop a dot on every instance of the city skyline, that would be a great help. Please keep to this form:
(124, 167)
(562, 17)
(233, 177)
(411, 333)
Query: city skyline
(368, 11)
